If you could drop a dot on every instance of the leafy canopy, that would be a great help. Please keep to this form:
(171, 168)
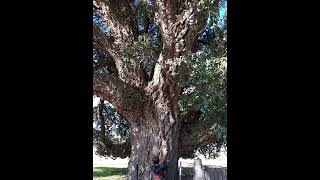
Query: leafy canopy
(204, 90)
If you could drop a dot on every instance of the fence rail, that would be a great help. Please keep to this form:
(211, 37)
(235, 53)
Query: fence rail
(189, 171)
(215, 173)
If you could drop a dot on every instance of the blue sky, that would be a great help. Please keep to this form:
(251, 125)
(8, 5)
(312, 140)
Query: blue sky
(222, 12)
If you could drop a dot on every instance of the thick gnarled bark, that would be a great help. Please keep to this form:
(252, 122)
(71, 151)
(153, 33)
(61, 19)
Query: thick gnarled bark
(151, 108)
(156, 134)
(120, 18)
(101, 40)
(126, 98)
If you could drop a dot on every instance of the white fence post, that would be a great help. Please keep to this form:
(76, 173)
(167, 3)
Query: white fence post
(180, 170)
(198, 170)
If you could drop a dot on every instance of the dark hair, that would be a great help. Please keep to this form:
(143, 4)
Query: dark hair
(155, 159)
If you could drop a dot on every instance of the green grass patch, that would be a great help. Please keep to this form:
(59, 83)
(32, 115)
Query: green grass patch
(187, 171)
(108, 171)
(116, 177)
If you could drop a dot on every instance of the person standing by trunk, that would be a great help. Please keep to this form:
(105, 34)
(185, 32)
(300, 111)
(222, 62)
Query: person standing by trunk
(157, 169)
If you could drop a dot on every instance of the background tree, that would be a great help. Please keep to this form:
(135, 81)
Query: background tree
(160, 70)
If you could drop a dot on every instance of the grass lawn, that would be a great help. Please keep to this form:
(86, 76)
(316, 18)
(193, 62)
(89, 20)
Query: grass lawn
(109, 173)
(116, 177)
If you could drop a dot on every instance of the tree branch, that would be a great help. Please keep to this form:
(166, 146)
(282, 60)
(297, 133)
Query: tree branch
(130, 72)
(105, 146)
(102, 123)
(125, 98)
(119, 17)
(194, 134)
(101, 40)
(179, 26)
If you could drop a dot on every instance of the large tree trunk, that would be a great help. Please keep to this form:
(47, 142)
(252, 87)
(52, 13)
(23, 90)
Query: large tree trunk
(157, 130)
(151, 108)
(156, 126)
(149, 140)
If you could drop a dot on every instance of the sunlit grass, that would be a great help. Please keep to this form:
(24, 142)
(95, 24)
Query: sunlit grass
(116, 177)
(103, 172)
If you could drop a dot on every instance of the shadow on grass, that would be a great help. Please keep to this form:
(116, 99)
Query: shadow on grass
(109, 171)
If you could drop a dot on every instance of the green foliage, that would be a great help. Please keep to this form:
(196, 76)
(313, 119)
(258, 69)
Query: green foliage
(205, 89)
(213, 150)
(143, 53)
(117, 133)
(108, 171)
(142, 49)
(102, 63)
